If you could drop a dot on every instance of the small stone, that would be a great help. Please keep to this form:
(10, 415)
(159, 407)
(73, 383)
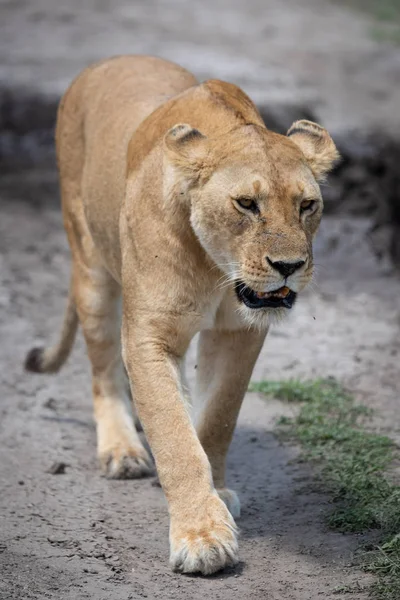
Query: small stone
(50, 403)
(57, 468)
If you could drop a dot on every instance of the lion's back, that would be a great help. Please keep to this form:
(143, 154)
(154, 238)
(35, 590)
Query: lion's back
(97, 116)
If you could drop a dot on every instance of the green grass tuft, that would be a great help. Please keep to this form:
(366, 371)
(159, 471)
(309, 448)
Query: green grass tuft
(295, 390)
(386, 564)
(352, 462)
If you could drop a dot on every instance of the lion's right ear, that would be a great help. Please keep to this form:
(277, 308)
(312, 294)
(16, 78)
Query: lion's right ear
(186, 148)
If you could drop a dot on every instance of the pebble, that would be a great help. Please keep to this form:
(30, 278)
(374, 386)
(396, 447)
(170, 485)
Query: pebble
(57, 468)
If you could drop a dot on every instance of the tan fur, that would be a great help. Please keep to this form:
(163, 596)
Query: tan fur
(152, 170)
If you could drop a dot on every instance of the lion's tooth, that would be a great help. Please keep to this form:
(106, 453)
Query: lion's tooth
(284, 291)
(281, 293)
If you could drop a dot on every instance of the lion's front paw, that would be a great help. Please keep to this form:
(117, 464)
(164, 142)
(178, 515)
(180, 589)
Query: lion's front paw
(206, 544)
(231, 500)
(126, 462)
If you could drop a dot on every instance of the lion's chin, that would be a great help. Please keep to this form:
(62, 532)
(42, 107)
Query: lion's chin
(261, 309)
(261, 318)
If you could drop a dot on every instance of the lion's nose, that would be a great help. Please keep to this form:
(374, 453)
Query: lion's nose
(286, 268)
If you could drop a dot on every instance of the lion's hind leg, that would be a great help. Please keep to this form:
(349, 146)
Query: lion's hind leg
(120, 451)
(224, 365)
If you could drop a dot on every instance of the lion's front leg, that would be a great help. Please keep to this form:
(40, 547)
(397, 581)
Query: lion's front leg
(202, 531)
(224, 367)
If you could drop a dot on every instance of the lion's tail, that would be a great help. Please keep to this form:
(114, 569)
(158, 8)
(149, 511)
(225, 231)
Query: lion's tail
(50, 360)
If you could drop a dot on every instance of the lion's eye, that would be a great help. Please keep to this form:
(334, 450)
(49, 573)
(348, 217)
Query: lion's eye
(307, 205)
(247, 204)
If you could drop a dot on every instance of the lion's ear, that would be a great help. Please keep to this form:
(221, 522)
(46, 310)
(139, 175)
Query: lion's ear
(186, 147)
(317, 146)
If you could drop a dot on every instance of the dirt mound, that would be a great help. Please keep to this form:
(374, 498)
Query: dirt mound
(367, 183)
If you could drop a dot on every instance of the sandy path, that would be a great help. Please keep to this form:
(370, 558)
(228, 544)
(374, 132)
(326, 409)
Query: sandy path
(79, 536)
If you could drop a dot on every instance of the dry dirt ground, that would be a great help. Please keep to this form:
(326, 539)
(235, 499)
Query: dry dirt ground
(76, 535)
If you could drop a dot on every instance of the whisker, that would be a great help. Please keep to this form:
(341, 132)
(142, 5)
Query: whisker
(223, 286)
(225, 281)
(312, 286)
(234, 265)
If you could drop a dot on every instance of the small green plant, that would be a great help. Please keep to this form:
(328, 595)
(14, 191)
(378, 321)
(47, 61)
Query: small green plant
(352, 461)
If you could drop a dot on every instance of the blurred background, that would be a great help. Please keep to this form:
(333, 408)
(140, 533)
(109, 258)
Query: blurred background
(335, 62)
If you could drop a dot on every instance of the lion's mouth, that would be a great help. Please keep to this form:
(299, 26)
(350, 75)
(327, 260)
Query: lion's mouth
(280, 298)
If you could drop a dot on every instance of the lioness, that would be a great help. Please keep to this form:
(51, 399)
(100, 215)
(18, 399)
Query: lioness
(177, 198)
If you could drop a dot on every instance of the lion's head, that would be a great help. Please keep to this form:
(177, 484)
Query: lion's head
(255, 206)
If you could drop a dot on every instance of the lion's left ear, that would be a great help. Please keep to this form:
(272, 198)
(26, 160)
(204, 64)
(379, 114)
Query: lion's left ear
(317, 146)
